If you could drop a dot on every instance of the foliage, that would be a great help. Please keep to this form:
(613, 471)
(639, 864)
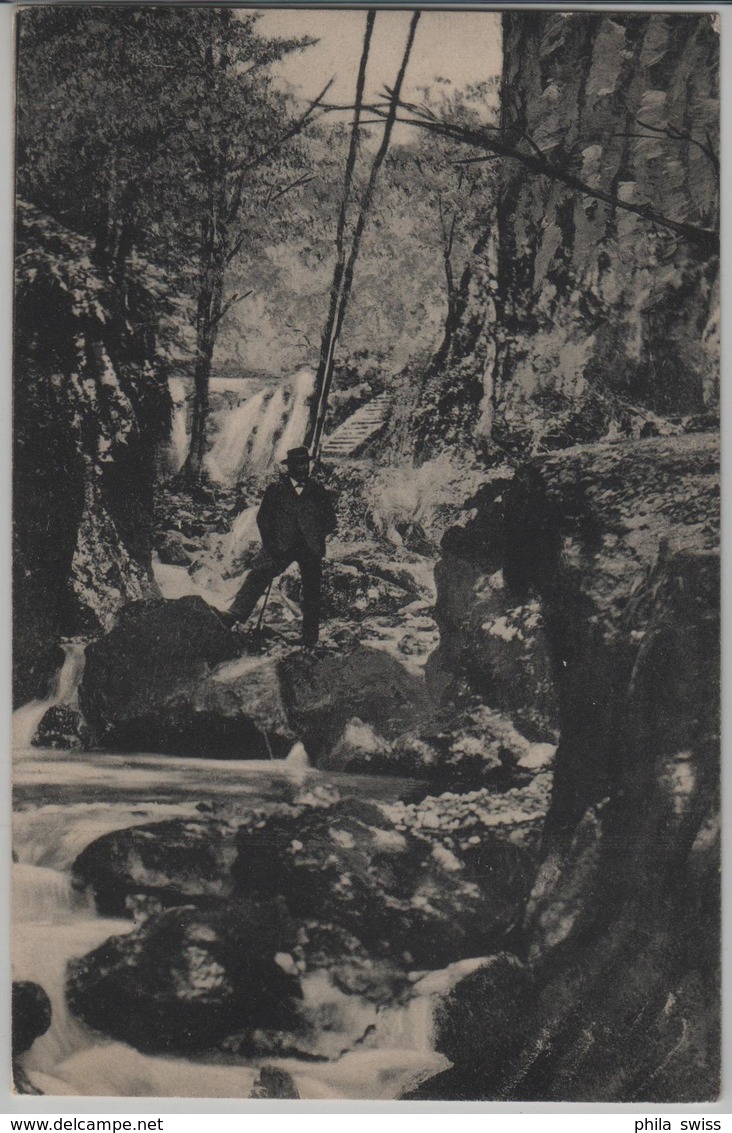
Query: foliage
(156, 132)
(92, 358)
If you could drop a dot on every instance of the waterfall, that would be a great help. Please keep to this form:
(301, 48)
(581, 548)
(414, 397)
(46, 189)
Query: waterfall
(44, 895)
(259, 432)
(63, 691)
(45, 902)
(179, 434)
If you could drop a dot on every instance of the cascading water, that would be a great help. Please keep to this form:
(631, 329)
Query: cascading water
(179, 433)
(95, 793)
(259, 432)
(63, 691)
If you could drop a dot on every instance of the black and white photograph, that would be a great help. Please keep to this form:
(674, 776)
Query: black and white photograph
(365, 538)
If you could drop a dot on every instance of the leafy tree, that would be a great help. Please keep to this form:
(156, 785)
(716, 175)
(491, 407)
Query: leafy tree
(451, 202)
(159, 132)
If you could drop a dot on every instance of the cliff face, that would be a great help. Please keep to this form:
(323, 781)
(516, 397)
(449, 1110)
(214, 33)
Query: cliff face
(585, 318)
(90, 408)
(600, 303)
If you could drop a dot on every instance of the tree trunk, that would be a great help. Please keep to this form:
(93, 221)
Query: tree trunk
(214, 247)
(201, 380)
(345, 282)
(207, 322)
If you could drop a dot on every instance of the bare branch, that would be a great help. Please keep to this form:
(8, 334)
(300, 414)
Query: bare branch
(296, 128)
(677, 136)
(228, 305)
(304, 179)
(236, 246)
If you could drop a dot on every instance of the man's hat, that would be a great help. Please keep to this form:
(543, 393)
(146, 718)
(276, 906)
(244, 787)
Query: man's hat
(299, 455)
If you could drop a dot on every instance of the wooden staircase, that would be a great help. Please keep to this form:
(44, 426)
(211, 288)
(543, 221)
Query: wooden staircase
(351, 436)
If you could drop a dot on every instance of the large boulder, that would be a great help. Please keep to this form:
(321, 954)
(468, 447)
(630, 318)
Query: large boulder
(31, 1018)
(139, 682)
(31, 1010)
(63, 727)
(621, 930)
(350, 866)
(491, 644)
(188, 977)
(321, 696)
(158, 865)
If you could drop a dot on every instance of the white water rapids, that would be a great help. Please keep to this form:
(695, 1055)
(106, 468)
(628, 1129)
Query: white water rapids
(250, 435)
(63, 801)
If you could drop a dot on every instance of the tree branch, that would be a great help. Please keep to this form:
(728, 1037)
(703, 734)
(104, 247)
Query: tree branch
(704, 238)
(675, 136)
(227, 307)
(296, 128)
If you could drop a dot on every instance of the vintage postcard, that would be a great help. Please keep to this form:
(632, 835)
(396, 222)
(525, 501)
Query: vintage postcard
(366, 555)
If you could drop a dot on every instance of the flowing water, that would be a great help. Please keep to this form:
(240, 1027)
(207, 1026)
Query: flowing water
(253, 434)
(63, 691)
(63, 801)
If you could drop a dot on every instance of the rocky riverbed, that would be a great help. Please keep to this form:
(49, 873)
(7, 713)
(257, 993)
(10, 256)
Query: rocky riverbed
(575, 601)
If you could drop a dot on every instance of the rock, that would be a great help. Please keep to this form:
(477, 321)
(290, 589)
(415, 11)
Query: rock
(347, 865)
(274, 1082)
(139, 682)
(360, 748)
(352, 589)
(489, 643)
(572, 303)
(187, 978)
(167, 863)
(62, 727)
(238, 709)
(561, 367)
(31, 1010)
(321, 695)
(173, 548)
(478, 746)
(621, 930)
(481, 1025)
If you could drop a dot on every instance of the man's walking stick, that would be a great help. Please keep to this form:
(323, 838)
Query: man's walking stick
(258, 630)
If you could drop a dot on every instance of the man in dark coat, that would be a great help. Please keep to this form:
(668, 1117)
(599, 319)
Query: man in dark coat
(294, 518)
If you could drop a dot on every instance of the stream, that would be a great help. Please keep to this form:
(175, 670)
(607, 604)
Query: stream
(65, 800)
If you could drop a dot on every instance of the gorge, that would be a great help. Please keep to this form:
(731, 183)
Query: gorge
(470, 849)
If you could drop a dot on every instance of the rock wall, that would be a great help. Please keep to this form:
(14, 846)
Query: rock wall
(582, 318)
(90, 408)
(612, 990)
(599, 303)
